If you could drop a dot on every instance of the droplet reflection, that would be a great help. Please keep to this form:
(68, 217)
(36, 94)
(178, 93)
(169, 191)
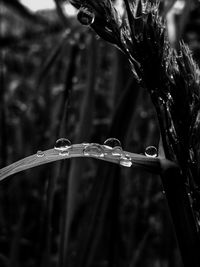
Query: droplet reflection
(62, 144)
(64, 153)
(117, 151)
(112, 143)
(40, 154)
(94, 150)
(151, 151)
(125, 161)
(86, 16)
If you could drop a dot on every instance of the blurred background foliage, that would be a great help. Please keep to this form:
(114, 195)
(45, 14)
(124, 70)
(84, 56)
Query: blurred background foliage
(58, 79)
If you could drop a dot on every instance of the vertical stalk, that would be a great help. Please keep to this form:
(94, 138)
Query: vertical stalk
(51, 187)
(3, 141)
(182, 215)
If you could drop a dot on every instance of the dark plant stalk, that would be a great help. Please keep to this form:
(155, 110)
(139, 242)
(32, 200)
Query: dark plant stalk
(182, 216)
(46, 240)
(54, 178)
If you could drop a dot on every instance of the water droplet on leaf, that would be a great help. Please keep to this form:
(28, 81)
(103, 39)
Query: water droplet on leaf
(85, 144)
(125, 161)
(151, 152)
(86, 16)
(117, 151)
(64, 153)
(62, 144)
(40, 154)
(112, 143)
(94, 150)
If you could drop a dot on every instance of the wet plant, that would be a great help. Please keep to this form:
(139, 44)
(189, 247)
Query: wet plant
(172, 79)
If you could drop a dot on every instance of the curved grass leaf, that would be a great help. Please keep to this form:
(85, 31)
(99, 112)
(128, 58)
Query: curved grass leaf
(43, 157)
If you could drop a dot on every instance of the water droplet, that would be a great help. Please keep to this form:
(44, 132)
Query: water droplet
(94, 150)
(86, 16)
(125, 161)
(40, 153)
(85, 144)
(112, 143)
(117, 151)
(64, 153)
(62, 144)
(151, 152)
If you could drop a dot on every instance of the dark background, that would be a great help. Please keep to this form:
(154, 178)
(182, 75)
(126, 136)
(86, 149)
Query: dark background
(58, 79)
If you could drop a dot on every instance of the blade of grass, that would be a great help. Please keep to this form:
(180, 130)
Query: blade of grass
(15, 246)
(61, 116)
(56, 52)
(152, 165)
(3, 136)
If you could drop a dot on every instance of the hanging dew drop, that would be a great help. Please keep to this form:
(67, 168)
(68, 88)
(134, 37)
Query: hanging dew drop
(125, 161)
(40, 154)
(94, 150)
(112, 143)
(62, 144)
(151, 152)
(86, 16)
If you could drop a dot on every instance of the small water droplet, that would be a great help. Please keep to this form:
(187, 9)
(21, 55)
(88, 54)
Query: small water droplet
(64, 153)
(125, 161)
(112, 143)
(151, 152)
(62, 144)
(40, 153)
(86, 16)
(94, 150)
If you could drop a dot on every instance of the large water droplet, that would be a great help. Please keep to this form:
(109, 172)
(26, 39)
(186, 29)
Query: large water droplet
(125, 161)
(40, 153)
(62, 144)
(85, 16)
(94, 150)
(151, 152)
(112, 143)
